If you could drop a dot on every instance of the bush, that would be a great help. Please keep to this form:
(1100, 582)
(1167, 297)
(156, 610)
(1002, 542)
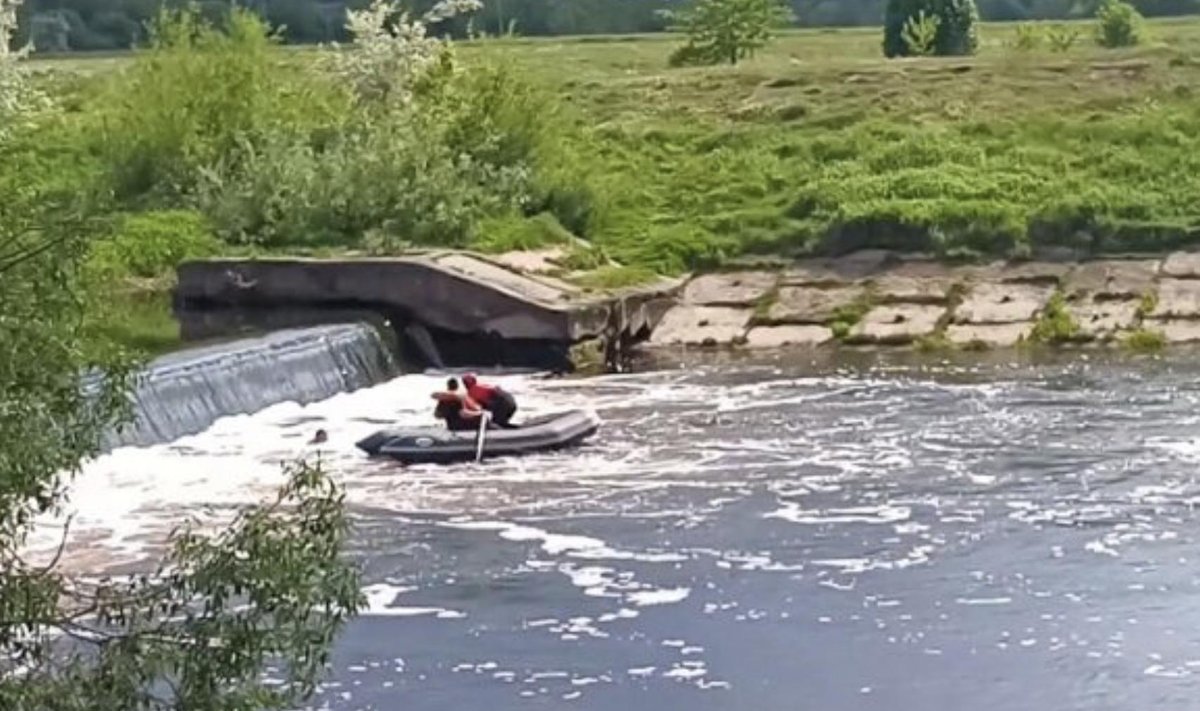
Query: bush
(920, 34)
(150, 244)
(200, 94)
(1118, 24)
(1027, 37)
(1062, 38)
(956, 31)
(726, 30)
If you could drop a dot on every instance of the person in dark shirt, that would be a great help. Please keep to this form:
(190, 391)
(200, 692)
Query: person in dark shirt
(457, 408)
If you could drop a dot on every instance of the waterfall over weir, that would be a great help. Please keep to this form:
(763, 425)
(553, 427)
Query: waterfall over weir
(184, 393)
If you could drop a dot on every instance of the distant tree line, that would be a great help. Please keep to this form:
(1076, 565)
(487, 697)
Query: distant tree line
(81, 25)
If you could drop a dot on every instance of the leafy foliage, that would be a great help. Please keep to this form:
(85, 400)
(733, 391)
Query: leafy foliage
(1118, 24)
(726, 30)
(1062, 37)
(1055, 324)
(920, 34)
(1028, 37)
(956, 30)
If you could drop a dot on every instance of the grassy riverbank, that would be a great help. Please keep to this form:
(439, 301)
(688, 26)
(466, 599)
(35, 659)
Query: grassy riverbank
(816, 145)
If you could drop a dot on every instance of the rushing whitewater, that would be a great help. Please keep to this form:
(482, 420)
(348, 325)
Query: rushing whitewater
(744, 536)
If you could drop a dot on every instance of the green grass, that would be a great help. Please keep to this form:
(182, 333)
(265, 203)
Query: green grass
(819, 144)
(1055, 325)
(1144, 340)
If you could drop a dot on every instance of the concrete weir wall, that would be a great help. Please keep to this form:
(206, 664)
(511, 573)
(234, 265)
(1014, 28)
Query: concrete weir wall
(447, 308)
(882, 298)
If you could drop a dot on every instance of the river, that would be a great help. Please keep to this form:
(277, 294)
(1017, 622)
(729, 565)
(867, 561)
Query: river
(747, 535)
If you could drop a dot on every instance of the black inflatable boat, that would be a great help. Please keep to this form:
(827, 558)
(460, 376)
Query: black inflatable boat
(421, 445)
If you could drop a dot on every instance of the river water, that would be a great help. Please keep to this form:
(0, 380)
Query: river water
(747, 535)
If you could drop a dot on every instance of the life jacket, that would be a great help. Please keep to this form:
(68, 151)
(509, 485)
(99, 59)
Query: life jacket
(482, 394)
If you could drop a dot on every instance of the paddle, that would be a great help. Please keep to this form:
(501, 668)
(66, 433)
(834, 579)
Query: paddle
(479, 439)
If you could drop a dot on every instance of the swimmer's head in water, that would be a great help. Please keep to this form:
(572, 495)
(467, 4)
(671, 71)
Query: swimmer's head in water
(452, 384)
(320, 437)
(469, 379)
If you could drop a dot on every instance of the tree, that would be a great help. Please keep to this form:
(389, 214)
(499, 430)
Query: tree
(197, 631)
(726, 30)
(1118, 24)
(957, 22)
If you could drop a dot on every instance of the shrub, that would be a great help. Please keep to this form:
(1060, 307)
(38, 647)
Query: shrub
(920, 34)
(726, 30)
(1055, 324)
(200, 94)
(1145, 340)
(150, 244)
(1027, 37)
(1118, 24)
(1062, 37)
(956, 30)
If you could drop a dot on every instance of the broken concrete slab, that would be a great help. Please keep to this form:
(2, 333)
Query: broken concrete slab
(730, 289)
(1182, 265)
(1178, 298)
(778, 336)
(1175, 330)
(991, 302)
(1105, 317)
(897, 324)
(1112, 278)
(533, 261)
(812, 305)
(701, 326)
(992, 335)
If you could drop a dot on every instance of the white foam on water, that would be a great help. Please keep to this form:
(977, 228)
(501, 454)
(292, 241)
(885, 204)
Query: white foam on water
(667, 596)
(884, 513)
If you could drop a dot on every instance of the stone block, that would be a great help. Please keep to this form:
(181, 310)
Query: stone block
(701, 326)
(779, 336)
(1107, 317)
(894, 288)
(1112, 278)
(1175, 330)
(995, 335)
(812, 305)
(1178, 298)
(991, 302)
(896, 324)
(730, 289)
(1182, 265)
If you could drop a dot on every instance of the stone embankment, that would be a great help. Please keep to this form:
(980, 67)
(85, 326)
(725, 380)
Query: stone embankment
(881, 298)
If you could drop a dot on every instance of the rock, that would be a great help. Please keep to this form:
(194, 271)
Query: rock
(990, 302)
(1182, 265)
(899, 289)
(1100, 318)
(1175, 330)
(839, 270)
(803, 304)
(701, 325)
(535, 261)
(777, 336)
(898, 324)
(995, 335)
(1112, 278)
(1179, 298)
(1033, 272)
(732, 289)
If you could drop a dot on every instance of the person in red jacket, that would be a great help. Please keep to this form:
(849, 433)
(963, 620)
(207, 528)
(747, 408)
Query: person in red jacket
(492, 398)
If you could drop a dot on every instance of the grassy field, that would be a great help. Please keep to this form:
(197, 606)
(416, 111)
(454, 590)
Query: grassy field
(819, 144)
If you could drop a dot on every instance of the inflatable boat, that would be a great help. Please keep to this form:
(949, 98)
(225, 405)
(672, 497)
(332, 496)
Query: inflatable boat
(438, 445)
